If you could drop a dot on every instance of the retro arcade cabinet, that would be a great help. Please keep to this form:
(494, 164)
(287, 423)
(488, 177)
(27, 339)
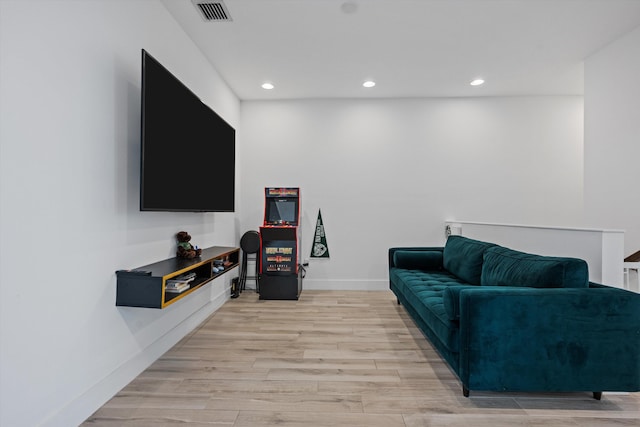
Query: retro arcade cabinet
(280, 274)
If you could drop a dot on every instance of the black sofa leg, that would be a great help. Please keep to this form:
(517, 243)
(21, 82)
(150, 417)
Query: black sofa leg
(597, 395)
(398, 299)
(465, 391)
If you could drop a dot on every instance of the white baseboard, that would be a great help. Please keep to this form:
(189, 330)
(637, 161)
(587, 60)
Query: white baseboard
(78, 410)
(345, 285)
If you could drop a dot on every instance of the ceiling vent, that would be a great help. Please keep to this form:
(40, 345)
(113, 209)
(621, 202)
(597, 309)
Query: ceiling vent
(213, 10)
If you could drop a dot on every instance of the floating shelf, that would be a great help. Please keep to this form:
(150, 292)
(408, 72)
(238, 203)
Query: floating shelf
(146, 286)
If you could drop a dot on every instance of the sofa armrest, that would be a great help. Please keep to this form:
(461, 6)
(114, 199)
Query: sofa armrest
(549, 339)
(429, 258)
(451, 301)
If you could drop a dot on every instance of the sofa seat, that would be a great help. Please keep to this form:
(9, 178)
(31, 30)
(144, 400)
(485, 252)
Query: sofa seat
(425, 278)
(425, 293)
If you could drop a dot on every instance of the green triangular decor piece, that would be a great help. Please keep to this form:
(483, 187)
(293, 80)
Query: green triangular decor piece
(320, 249)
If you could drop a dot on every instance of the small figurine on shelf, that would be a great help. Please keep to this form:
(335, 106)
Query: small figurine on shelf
(186, 249)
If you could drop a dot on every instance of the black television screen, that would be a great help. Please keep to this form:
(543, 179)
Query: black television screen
(187, 150)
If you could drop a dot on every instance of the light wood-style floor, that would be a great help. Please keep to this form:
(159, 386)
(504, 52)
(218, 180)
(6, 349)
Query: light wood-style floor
(333, 358)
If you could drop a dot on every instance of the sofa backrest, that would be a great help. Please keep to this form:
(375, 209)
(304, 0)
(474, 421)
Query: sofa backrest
(463, 257)
(505, 267)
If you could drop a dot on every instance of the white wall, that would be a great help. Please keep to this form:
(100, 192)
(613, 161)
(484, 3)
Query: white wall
(390, 172)
(69, 176)
(612, 138)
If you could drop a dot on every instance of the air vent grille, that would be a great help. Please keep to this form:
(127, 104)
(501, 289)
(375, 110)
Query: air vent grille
(213, 11)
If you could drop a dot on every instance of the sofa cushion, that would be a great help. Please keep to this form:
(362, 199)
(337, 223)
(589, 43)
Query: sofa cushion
(418, 260)
(401, 277)
(463, 257)
(426, 299)
(506, 267)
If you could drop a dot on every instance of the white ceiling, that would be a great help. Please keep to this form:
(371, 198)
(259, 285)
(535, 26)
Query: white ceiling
(411, 48)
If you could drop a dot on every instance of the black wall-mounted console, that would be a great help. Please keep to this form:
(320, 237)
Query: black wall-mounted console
(147, 286)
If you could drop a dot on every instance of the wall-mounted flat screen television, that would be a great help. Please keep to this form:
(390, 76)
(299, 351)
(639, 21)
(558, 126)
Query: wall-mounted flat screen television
(187, 150)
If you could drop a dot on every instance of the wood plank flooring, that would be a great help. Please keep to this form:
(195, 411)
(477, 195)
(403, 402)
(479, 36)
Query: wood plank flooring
(333, 358)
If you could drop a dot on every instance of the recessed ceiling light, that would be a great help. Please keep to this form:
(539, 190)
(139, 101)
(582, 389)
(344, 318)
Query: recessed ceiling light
(369, 83)
(477, 82)
(267, 86)
(349, 7)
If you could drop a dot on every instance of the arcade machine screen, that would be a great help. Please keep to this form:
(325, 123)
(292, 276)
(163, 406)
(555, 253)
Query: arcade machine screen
(282, 211)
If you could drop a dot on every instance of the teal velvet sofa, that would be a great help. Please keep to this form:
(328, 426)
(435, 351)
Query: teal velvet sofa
(506, 320)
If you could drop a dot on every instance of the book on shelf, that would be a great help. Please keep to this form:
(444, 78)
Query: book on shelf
(178, 282)
(185, 278)
(171, 284)
(177, 288)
